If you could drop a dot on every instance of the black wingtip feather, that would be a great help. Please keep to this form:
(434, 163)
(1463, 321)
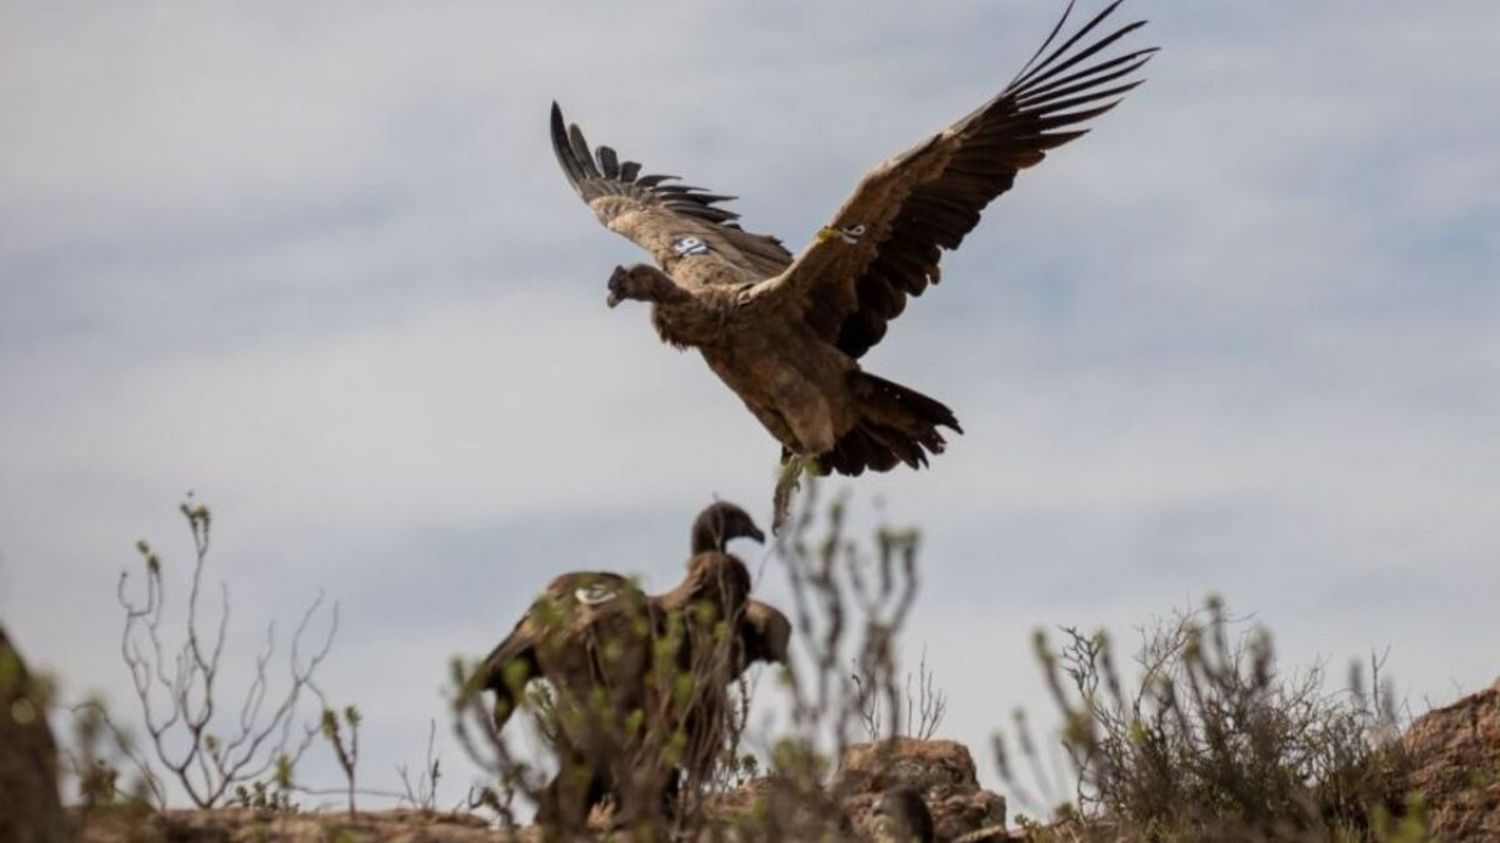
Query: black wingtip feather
(562, 150)
(1045, 63)
(1056, 28)
(1045, 73)
(600, 172)
(1089, 77)
(1055, 106)
(580, 147)
(608, 162)
(1034, 74)
(1066, 82)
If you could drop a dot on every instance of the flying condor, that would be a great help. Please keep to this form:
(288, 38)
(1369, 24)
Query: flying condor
(786, 333)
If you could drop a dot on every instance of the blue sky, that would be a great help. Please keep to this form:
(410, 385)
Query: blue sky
(319, 266)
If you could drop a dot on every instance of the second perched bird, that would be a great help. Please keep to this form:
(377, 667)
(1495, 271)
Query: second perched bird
(612, 654)
(786, 334)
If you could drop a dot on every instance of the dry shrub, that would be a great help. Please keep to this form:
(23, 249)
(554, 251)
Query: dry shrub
(849, 602)
(1213, 742)
(925, 706)
(211, 747)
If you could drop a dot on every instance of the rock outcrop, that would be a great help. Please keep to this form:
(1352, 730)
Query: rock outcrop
(1455, 766)
(942, 772)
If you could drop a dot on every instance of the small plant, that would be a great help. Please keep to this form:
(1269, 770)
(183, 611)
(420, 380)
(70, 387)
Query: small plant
(922, 709)
(482, 742)
(98, 753)
(740, 770)
(271, 793)
(207, 755)
(347, 752)
(422, 793)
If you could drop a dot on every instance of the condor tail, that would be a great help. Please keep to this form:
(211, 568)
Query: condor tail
(896, 425)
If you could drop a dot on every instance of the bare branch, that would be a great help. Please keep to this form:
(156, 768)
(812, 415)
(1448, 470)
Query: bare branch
(208, 761)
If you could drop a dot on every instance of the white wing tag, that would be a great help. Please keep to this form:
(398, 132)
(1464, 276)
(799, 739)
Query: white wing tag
(687, 246)
(595, 594)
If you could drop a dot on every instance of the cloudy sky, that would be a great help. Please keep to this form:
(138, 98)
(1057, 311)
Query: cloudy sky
(317, 264)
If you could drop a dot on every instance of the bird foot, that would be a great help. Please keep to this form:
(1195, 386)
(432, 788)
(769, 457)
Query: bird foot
(786, 485)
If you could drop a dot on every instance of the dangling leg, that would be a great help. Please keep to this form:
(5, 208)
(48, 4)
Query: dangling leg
(787, 483)
(811, 433)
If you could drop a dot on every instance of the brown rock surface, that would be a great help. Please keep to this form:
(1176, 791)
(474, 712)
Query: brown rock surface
(1454, 753)
(245, 824)
(30, 810)
(942, 771)
(1455, 758)
(779, 811)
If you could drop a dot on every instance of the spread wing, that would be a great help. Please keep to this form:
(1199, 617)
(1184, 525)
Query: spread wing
(887, 239)
(555, 631)
(765, 635)
(671, 221)
(507, 669)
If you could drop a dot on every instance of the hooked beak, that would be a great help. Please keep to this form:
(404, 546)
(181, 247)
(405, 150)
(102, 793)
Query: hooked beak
(616, 287)
(827, 233)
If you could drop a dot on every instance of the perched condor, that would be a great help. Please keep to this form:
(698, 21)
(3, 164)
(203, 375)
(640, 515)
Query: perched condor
(719, 631)
(762, 632)
(786, 333)
(599, 639)
(588, 632)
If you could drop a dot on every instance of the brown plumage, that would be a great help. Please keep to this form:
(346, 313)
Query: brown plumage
(763, 633)
(719, 632)
(588, 632)
(786, 334)
(597, 633)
